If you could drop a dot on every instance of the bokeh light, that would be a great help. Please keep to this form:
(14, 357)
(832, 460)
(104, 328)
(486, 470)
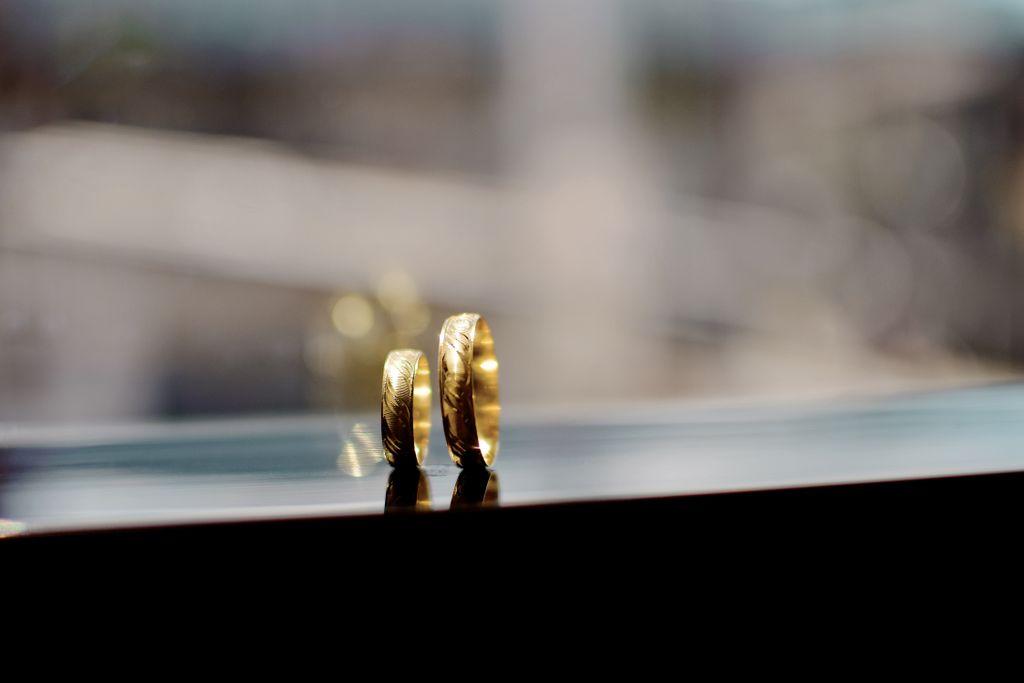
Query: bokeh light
(353, 316)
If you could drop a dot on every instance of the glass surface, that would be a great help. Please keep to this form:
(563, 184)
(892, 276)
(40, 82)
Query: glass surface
(255, 469)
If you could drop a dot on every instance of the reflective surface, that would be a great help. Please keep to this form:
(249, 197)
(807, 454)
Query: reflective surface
(408, 491)
(272, 468)
(476, 488)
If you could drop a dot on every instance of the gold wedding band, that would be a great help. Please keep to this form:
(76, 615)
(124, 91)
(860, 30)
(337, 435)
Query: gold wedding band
(405, 408)
(467, 371)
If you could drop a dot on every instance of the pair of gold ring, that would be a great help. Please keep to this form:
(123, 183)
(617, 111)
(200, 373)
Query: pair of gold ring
(468, 383)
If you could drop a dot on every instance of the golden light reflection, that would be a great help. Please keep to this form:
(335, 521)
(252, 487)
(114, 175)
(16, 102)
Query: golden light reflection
(352, 316)
(408, 490)
(361, 452)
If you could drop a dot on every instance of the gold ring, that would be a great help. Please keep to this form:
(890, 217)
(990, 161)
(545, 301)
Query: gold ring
(405, 408)
(467, 371)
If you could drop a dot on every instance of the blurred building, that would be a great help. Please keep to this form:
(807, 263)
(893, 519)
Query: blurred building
(227, 206)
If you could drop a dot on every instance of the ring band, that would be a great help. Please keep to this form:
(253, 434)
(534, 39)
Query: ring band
(405, 408)
(467, 371)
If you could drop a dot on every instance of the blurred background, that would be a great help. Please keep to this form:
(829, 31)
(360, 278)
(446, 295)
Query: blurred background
(239, 206)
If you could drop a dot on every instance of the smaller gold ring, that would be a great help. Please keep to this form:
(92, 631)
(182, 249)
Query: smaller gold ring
(467, 372)
(405, 408)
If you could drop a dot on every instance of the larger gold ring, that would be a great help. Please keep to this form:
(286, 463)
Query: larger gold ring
(467, 371)
(405, 408)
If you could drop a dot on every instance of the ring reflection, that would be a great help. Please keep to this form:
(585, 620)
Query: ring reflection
(408, 491)
(360, 451)
(476, 488)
